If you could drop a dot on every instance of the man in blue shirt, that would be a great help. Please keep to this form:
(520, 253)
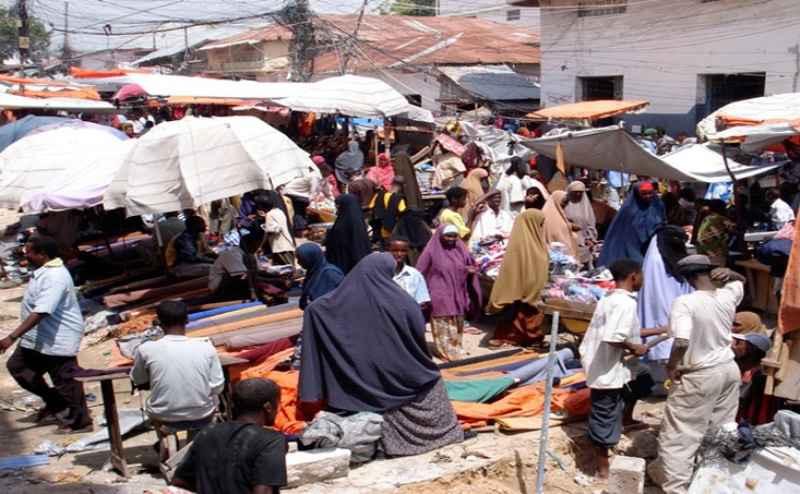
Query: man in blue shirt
(407, 277)
(49, 339)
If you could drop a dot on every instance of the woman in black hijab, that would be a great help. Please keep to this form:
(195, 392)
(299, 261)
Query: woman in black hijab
(347, 241)
(378, 361)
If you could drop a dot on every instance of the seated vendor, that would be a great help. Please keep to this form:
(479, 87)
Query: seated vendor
(232, 272)
(184, 375)
(188, 254)
(749, 349)
(491, 222)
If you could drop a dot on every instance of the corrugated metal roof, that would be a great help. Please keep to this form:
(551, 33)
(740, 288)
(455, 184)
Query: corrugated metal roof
(492, 82)
(198, 36)
(389, 40)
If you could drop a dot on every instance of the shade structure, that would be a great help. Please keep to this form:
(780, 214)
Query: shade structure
(14, 131)
(754, 138)
(779, 108)
(67, 167)
(193, 161)
(588, 110)
(612, 148)
(14, 102)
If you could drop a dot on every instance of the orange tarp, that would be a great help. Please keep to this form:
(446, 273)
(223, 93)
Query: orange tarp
(97, 74)
(789, 312)
(87, 93)
(58, 89)
(588, 110)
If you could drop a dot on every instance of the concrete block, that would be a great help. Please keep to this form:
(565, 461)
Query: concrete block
(626, 474)
(306, 467)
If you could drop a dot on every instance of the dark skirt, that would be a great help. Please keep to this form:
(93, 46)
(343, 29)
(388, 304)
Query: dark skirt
(427, 423)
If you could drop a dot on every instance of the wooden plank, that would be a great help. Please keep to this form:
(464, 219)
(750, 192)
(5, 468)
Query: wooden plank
(112, 423)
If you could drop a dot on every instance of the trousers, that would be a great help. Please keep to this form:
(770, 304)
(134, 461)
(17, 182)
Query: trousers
(28, 368)
(701, 401)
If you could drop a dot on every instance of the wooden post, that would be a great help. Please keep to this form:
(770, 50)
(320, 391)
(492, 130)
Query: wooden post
(112, 421)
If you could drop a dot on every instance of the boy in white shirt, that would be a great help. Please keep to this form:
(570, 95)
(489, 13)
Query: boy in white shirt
(612, 378)
(408, 277)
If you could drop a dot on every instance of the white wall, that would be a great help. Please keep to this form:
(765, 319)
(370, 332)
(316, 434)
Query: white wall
(427, 86)
(492, 10)
(661, 48)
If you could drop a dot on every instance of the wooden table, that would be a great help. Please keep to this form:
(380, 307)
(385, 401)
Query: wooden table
(106, 381)
(760, 286)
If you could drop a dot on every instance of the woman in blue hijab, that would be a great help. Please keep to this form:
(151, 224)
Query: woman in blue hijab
(321, 276)
(633, 226)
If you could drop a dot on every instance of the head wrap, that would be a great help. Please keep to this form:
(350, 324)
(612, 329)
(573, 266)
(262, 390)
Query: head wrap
(347, 241)
(556, 225)
(576, 186)
(321, 276)
(449, 282)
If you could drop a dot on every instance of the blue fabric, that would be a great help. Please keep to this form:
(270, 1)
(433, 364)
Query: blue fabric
(719, 190)
(220, 310)
(537, 370)
(321, 276)
(632, 228)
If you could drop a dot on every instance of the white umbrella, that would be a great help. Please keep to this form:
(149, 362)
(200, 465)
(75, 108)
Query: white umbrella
(193, 161)
(67, 167)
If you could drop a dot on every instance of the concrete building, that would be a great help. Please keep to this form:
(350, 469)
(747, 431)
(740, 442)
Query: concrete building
(109, 59)
(687, 57)
(492, 10)
(403, 51)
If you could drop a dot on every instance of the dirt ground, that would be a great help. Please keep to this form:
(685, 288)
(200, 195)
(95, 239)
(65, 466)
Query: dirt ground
(492, 463)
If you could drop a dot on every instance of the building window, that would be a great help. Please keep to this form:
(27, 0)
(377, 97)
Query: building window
(592, 8)
(595, 88)
(722, 89)
(513, 15)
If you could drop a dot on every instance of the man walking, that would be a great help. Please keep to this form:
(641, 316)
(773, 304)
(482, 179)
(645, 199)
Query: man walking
(50, 337)
(705, 378)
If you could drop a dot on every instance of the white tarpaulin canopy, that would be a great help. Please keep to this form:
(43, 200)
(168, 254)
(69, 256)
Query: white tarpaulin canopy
(767, 109)
(16, 102)
(754, 138)
(193, 161)
(612, 148)
(68, 167)
(349, 94)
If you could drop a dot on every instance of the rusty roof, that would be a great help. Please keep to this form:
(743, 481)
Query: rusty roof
(395, 41)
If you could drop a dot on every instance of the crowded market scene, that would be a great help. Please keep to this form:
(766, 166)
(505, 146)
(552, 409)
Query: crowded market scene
(310, 280)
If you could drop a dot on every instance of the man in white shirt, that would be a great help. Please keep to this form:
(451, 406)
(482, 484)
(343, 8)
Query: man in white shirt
(184, 375)
(780, 212)
(407, 277)
(492, 222)
(49, 339)
(513, 184)
(615, 387)
(279, 236)
(704, 393)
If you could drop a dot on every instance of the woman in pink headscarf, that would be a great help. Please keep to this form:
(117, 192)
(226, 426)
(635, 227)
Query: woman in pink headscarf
(331, 188)
(383, 173)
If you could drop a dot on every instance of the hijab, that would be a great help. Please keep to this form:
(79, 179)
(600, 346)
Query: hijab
(404, 168)
(632, 227)
(363, 189)
(347, 241)
(383, 173)
(412, 226)
(525, 268)
(474, 186)
(321, 276)
(671, 241)
(748, 322)
(445, 271)
(371, 357)
(556, 225)
(349, 162)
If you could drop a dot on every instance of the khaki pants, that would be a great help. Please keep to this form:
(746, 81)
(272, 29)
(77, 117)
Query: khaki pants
(701, 401)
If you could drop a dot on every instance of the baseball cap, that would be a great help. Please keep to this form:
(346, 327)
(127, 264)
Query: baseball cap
(757, 340)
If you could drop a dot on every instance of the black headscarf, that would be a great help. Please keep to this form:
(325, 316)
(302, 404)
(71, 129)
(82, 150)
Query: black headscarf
(387, 215)
(373, 355)
(412, 226)
(322, 277)
(671, 242)
(347, 241)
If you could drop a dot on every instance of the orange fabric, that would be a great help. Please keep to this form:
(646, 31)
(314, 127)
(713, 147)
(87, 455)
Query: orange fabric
(264, 368)
(79, 73)
(789, 312)
(191, 100)
(86, 93)
(588, 110)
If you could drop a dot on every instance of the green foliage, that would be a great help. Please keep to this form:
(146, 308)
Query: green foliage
(40, 38)
(414, 7)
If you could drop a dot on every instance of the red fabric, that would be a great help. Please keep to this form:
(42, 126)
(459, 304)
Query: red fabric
(646, 187)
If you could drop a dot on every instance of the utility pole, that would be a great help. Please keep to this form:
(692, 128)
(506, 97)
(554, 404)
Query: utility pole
(795, 50)
(297, 18)
(355, 37)
(22, 33)
(66, 51)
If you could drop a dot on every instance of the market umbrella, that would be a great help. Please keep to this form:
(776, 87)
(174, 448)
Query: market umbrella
(193, 161)
(63, 168)
(129, 91)
(14, 131)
